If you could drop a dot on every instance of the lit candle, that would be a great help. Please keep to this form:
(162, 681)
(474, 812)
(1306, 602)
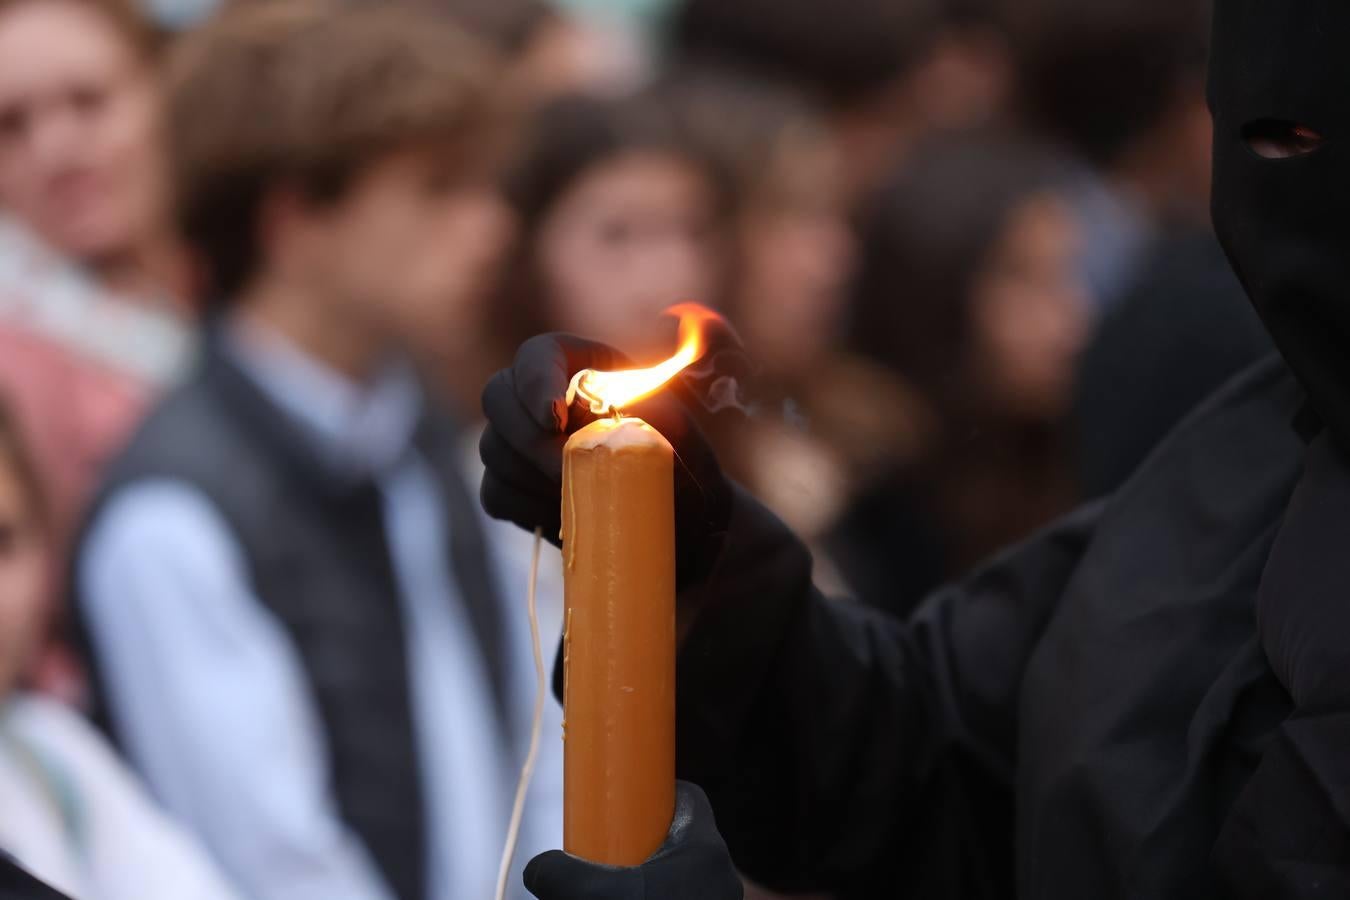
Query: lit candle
(618, 534)
(619, 641)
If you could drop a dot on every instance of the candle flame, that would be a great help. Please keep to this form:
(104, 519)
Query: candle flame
(610, 392)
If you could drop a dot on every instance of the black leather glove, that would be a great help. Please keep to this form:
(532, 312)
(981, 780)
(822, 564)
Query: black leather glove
(529, 421)
(693, 864)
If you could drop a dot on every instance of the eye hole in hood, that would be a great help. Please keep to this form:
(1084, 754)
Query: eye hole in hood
(1278, 139)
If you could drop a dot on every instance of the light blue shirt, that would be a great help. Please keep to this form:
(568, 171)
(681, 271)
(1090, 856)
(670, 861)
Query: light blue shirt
(212, 698)
(1117, 234)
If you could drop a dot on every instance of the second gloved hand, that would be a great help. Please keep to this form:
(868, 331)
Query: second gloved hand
(529, 421)
(693, 864)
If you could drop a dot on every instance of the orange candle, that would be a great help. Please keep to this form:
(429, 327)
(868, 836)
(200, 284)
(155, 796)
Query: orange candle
(619, 641)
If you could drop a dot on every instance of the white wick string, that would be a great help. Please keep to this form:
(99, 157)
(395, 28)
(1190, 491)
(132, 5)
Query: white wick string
(540, 690)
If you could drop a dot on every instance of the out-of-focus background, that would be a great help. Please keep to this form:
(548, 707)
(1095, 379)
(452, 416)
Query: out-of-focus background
(965, 243)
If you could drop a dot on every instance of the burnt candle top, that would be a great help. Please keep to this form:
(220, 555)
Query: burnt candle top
(618, 434)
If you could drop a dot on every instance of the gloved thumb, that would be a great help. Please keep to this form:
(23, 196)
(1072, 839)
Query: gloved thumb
(556, 875)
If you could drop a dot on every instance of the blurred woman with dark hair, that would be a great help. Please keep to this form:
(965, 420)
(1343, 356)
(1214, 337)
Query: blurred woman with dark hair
(621, 216)
(791, 247)
(790, 253)
(967, 290)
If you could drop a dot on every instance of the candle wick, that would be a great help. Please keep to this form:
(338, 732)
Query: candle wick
(614, 411)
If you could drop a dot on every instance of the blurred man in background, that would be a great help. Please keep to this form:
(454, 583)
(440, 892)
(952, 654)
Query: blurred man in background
(1120, 83)
(881, 73)
(293, 625)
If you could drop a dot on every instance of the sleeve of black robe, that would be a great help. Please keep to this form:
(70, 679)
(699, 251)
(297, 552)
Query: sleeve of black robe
(1288, 835)
(824, 733)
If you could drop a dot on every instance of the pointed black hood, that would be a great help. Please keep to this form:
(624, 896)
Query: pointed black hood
(1278, 66)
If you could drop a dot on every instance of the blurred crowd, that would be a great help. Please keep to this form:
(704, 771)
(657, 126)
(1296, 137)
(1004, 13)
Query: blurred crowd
(257, 262)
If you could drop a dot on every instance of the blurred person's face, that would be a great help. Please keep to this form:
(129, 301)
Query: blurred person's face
(23, 572)
(1029, 311)
(961, 82)
(964, 81)
(81, 159)
(633, 236)
(409, 252)
(872, 136)
(796, 251)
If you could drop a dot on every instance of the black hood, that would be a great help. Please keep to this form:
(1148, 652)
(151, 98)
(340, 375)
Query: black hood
(1285, 222)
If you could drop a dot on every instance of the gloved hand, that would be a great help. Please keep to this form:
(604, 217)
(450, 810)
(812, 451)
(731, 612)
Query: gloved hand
(529, 421)
(693, 864)
(1303, 610)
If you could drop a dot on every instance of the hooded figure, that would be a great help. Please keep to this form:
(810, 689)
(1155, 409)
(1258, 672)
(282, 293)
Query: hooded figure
(1150, 700)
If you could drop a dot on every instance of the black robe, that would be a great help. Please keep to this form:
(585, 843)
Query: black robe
(1175, 338)
(16, 884)
(1080, 719)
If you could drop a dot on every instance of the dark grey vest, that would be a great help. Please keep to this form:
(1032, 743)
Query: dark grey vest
(318, 559)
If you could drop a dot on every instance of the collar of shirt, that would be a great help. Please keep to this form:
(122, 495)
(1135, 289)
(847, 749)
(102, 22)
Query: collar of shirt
(143, 337)
(1117, 233)
(359, 429)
